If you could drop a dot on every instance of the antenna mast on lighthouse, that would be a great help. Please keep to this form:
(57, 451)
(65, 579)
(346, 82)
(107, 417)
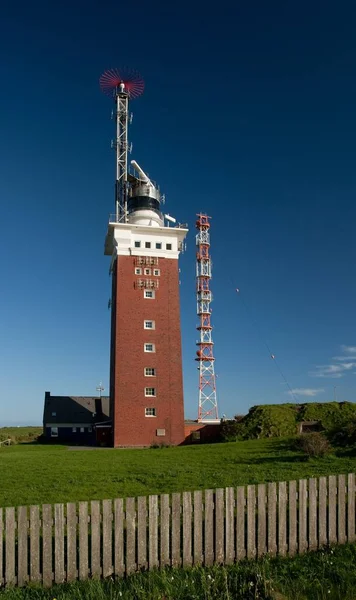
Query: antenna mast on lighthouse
(122, 85)
(208, 406)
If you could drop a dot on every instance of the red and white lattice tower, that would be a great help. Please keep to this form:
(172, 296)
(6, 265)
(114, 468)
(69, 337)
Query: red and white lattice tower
(208, 406)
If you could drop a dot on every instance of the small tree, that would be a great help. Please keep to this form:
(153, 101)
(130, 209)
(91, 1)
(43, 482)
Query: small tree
(313, 444)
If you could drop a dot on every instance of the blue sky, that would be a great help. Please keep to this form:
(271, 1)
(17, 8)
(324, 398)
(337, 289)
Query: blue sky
(249, 115)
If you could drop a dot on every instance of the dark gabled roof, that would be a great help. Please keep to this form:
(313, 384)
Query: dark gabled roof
(75, 409)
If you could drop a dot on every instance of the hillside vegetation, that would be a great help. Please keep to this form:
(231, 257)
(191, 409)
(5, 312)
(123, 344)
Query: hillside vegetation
(280, 420)
(20, 434)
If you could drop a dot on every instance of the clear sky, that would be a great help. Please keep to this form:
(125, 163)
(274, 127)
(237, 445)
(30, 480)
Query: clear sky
(249, 115)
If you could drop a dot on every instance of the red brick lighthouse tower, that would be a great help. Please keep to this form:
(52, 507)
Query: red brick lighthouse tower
(146, 383)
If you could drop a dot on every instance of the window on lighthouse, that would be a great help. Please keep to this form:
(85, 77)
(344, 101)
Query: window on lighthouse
(149, 325)
(137, 244)
(150, 348)
(150, 391)
(149, 294)
(150, 372)
(147, 244)
(150, 412)
(168, 246)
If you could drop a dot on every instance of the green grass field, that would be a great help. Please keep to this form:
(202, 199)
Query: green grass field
(35, 474)
(326, 574)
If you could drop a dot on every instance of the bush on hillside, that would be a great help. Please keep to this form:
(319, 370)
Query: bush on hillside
(332, 415)
(267, 421)
(230, 431)
(313, 444)
(344, 436)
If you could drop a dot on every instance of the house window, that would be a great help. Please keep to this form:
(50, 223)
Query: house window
(147, 271)
(82, 429)
(149, 294)
(150, 372)
(137, 244)
(74, 430)
(161, 432)
(159, 245)
(150, 412)
(149, 391)
(54, 431)
(54, 414)
(168, 246)
(149, 325)
(138, 271)
(90, 429)
(147, 244)
(150, 348)
(156, 272)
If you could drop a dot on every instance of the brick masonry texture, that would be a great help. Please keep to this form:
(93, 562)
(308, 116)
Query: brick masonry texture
(130, 425)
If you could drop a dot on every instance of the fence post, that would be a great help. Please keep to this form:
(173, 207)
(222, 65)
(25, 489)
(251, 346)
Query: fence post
(34, 544)
(313, 540)
(22, 546)
(142, 532)
(72, 573)
(251, 521)
(261, 516)
(59, 543)
(165, 530)
(229, 525)
(292, 542)
(83, 540)
(107, 538)
(153, 531)
(130, 536)
(341, 509)
(209, 528)
(350, 509)
(272, 518)
(323, 497)
(303, 516)
(187, 529)
(198, 527)
(219, 526)
(176, 556)
(47, 572)
(119, 567)
(332, 509)
(240, 523)
(95, 539)
(282, 518)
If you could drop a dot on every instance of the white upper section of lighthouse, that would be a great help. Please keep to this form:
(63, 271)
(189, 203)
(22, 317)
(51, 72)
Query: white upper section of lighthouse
(139, 226)
(128, 239)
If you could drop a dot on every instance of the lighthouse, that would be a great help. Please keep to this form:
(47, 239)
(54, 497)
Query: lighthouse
(144, 243)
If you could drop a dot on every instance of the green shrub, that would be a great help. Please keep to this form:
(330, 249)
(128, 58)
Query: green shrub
(313, 444)
(267, 421)
(344, 436)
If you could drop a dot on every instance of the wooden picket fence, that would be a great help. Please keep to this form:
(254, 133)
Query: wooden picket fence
(65, 542)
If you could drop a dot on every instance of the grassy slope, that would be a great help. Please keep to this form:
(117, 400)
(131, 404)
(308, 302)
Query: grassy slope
(20, 433)
(32, 474)
(327, 574)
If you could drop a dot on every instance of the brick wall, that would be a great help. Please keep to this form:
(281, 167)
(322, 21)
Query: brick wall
(208, 433)
(130, 425)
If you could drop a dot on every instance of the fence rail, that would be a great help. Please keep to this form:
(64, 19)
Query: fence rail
(65, 542)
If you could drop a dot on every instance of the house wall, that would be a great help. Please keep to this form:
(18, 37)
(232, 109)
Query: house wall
(66, 434)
